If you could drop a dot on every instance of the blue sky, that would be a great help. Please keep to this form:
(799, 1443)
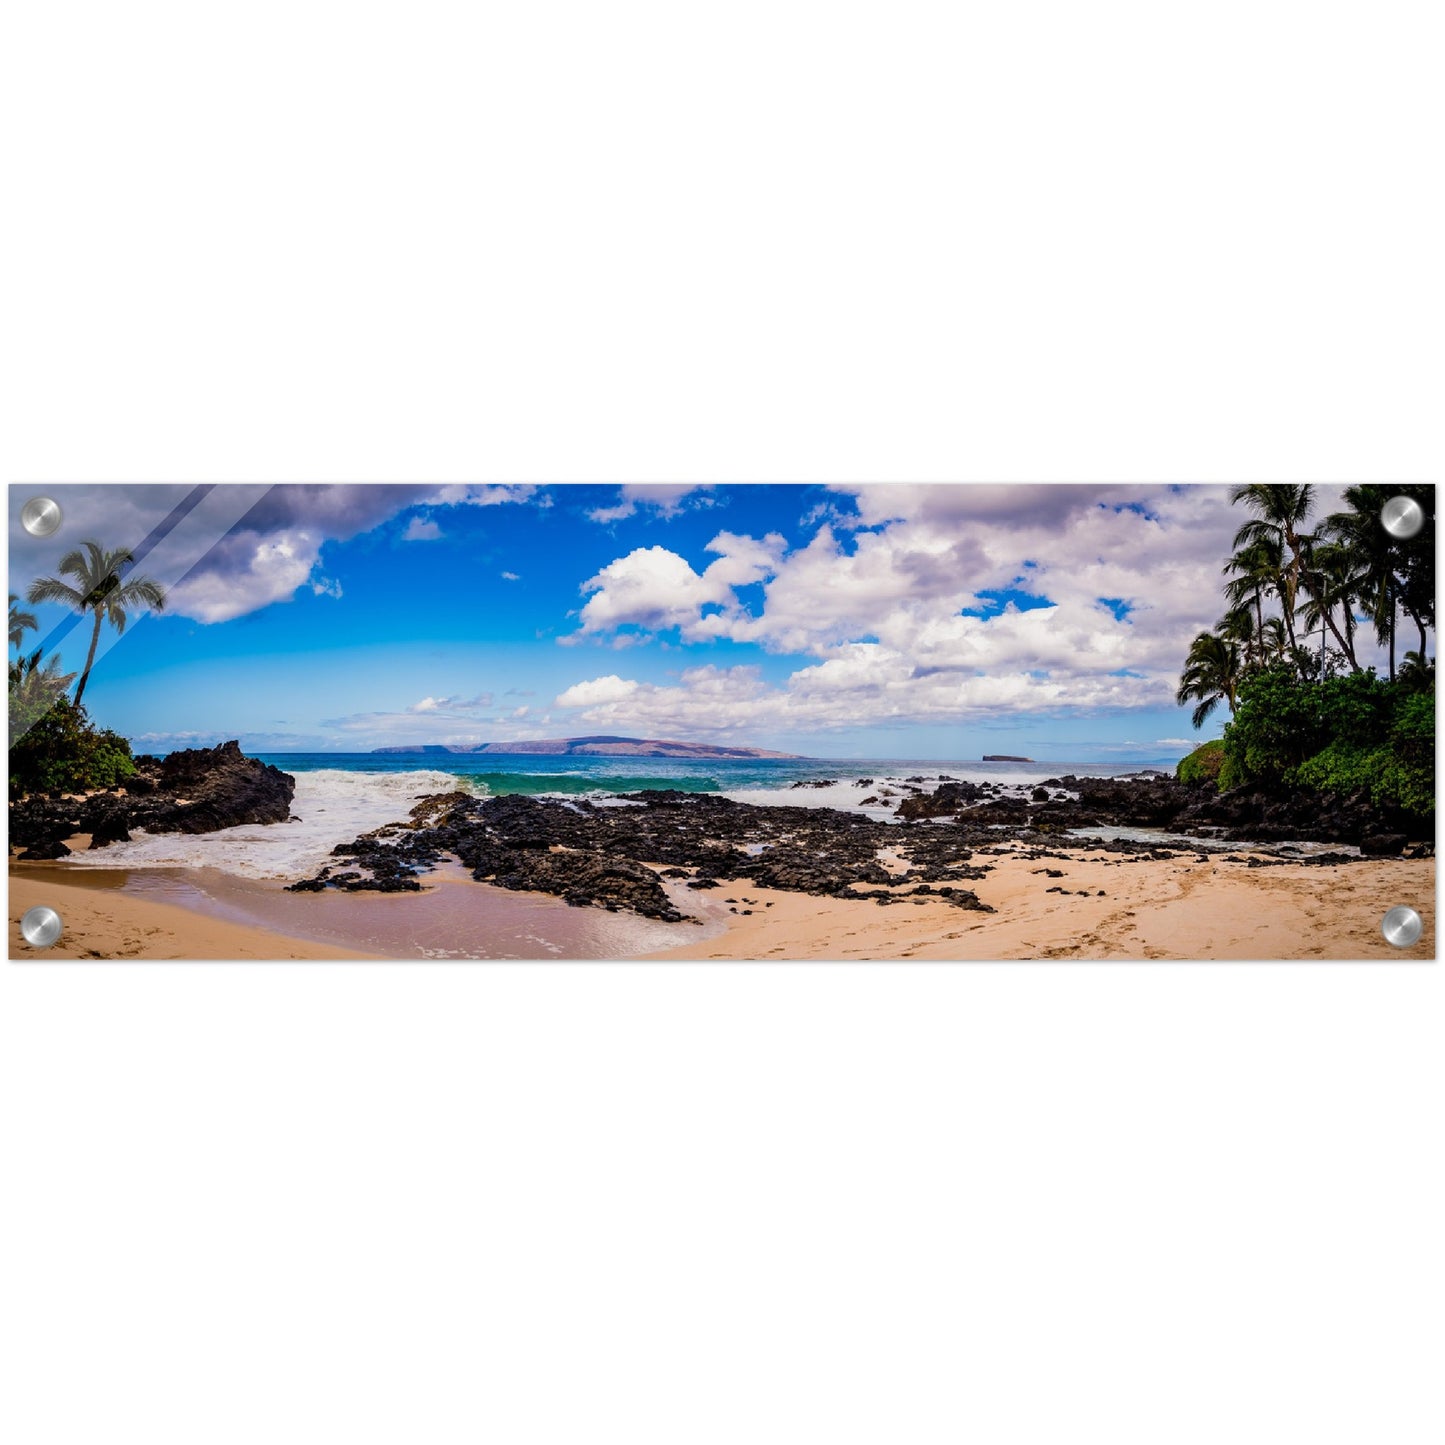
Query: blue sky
(912, 621)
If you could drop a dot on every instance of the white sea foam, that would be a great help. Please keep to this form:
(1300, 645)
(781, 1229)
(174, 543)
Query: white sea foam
(333, 806)
(847, 796)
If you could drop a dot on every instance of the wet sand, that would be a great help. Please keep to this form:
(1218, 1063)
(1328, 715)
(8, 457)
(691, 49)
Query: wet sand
(103, 921)
(1168, 909)
(203, 913)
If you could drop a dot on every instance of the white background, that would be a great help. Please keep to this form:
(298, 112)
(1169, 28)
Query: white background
(754, 241)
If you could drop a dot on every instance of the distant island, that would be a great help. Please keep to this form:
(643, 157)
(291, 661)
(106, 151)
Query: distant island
(1004, 758)
(597, 747)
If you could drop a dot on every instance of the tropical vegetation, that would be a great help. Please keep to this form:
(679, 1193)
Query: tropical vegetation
(1284, 659)
(53, 743)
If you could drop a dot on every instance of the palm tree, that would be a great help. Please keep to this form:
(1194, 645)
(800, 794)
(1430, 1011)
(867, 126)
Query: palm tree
(1256, 573)
(1211, 675)
(1238, 626)
(1415, 565)
(1273, 641)
(100, 589)
(1328, 579)
(1281, 514)
(1417, 671)
(1372, 554)
(34, 690)
(20, 622)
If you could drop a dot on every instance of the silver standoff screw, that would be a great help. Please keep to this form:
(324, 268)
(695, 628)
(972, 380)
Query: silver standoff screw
(1402, 517)
(40, 927)
(1401, 927)
(40, 516)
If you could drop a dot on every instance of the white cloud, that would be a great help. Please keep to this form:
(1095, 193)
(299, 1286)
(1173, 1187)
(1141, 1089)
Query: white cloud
(452, 705)
(274, 570)
(866, 686)
(655, 589)
(474, 494)
(421, 529)
(510, 577)
(599, 692)
(666, 498)
(890, 607)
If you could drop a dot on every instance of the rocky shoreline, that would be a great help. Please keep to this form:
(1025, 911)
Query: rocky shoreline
(621, 854)
(199, 790)
(615, 855)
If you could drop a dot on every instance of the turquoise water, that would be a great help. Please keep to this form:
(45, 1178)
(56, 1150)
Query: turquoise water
(503, 773)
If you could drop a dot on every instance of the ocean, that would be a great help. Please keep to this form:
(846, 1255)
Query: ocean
(341, 795)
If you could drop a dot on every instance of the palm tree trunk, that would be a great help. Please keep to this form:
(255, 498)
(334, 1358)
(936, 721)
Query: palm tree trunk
(95, 637)
(1259, 621)
(1348, 650)
(1286, 600)
(1392, 633)
(1420, 628)
(1290, 590)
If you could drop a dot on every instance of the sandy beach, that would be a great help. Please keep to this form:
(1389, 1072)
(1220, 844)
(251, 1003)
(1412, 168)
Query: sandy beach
(1112, 908)
(1130, 909)
(102, 921)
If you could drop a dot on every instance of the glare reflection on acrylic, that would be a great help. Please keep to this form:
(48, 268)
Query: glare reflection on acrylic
(776, 722)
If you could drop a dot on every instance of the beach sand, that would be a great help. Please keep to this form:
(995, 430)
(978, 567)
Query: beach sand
(1176, 909)
(103, 922)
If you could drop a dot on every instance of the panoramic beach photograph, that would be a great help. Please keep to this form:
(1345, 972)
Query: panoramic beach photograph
(722, 722)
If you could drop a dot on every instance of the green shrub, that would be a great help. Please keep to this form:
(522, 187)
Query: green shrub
(1387, 778)
(1349, 734)
(65, 750)
(1280, 722)
(1203, 765)
(1276, 726)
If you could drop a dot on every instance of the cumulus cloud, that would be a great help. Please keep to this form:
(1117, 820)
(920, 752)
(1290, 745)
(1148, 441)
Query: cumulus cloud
(421, 529)
(250, 573)
(929, 603)
(654, 589)
(599, 692)
(665, 498)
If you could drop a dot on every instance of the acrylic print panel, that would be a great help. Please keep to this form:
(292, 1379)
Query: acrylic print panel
(775, 722)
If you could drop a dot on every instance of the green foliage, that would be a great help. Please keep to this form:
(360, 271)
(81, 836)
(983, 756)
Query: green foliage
(1276, 726)
(1203, 765)
(1348, 734)
(1229, 774)
(63, 749)
(34, 690)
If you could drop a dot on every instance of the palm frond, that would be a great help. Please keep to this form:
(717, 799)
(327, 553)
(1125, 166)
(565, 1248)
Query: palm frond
(144, 591)
(52, 589)
(1200, 714)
